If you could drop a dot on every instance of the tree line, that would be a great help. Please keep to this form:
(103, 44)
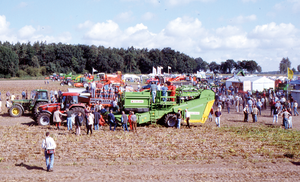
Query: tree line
(40, 58)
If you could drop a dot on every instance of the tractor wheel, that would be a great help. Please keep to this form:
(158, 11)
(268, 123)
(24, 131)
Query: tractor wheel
(62, 84)
(43, 119)
(15, 111)
(170, 120)
(35, 110)
(77, 110)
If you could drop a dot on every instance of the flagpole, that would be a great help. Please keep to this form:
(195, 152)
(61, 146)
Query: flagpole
(287, 84)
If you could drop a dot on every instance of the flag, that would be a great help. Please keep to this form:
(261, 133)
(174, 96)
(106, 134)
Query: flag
(169, 67)
(94, 70)
(290, 74)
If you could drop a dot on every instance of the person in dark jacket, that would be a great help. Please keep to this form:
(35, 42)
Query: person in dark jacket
(96, 120)
(112, 120)
(78, 122)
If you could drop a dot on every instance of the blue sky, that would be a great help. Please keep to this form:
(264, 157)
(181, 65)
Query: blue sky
(215, 30)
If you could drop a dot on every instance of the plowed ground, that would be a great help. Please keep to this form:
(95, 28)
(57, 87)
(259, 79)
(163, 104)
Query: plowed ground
(237, 151)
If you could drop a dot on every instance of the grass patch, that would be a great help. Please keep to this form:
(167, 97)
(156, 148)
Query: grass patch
(286, 141)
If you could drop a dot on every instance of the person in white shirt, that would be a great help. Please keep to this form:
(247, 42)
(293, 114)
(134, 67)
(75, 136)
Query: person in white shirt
(90, 118)
(48, 145)
(187, 117)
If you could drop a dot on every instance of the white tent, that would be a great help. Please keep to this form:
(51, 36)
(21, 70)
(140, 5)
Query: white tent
(252, 83)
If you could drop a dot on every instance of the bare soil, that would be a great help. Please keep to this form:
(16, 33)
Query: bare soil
(201, 153)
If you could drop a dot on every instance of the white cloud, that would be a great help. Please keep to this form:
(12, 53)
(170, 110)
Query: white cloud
(125, 17)
(148, 16)
(295, 5)
(3, 25)
(274, 31)
(243, 19)
(86, 24)
(22, 4)
(26, 32)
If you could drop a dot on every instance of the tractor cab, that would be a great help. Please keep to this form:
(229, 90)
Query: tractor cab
(68, 99)
(39, 95)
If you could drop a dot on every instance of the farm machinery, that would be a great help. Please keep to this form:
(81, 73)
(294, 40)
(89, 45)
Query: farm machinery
(75, 102)
(69, 101)
(38, 97)
(198, 102)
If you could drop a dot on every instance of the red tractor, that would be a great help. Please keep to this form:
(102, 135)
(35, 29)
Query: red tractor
(68, 101)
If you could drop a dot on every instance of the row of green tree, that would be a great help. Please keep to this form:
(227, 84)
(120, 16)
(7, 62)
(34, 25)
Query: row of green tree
(22, 59)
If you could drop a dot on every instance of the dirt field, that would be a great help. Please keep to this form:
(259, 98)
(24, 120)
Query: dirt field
(237, 151)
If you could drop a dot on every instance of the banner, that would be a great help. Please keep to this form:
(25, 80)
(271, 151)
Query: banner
(290, 74)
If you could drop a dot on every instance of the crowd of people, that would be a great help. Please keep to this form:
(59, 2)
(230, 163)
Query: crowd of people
(252, 104)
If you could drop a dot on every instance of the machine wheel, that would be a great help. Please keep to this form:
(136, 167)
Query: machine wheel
(15, 111)
(36, 107)
(62, 84)
(77, 110)
(43, 119)
(170, 120)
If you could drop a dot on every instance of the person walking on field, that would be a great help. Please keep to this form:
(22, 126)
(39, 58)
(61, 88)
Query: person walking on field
(134, 122)
(56, 117)
(78, 122)
(218, 115)
(178, 119)
(49, 146)
(187, 117)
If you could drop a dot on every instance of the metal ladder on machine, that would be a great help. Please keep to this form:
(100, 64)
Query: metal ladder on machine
(152, 117)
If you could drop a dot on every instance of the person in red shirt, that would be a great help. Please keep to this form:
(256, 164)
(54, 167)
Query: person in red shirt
(129, 121)
(173, 91)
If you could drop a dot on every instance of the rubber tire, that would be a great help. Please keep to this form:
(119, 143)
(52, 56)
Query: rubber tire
(76, 110)
(35, 110)
(43, 119)
(16, 108)
(171, 120)
(61, 84)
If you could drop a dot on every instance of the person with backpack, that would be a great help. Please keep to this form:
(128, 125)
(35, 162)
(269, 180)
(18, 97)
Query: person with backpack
(78, 122)
(49, 146)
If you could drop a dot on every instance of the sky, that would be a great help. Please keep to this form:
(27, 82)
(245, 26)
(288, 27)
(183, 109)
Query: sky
(215, 30)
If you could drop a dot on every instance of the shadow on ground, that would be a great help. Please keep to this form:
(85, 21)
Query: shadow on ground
(28, 167)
